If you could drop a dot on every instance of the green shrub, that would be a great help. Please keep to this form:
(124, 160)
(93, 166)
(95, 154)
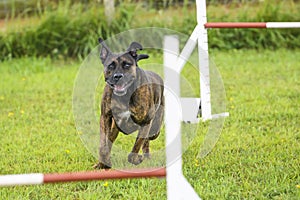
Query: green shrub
(66, 32)
(260, 38)
(72, 30)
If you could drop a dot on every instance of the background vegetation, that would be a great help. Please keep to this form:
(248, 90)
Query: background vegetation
(71, 28)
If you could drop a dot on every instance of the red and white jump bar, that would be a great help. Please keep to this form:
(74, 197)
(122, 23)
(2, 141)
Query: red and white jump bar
(252, 25)
(39, 178)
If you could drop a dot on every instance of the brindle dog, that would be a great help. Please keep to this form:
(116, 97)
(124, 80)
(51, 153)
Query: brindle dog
(132, 100)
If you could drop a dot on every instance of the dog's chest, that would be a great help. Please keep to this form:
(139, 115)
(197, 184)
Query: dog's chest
(123, 119)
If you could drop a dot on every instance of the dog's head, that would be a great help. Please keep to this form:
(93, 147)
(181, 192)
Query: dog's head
(120, 69)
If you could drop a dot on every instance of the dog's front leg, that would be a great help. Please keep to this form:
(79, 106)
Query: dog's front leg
(108, 134)
(134, 157)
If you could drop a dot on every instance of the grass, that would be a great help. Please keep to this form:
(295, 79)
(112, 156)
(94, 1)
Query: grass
(257, 156)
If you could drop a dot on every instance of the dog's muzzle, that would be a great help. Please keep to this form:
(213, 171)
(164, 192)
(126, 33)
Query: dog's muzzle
(119, 83)
(118, 76)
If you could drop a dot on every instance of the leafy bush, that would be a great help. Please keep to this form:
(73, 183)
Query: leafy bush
(283, 11)
(72, 29)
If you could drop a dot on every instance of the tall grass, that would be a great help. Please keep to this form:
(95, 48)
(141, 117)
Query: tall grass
(71, 30)
(282, 11)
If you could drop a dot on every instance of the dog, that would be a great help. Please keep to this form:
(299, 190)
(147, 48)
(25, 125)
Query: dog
(132, 101)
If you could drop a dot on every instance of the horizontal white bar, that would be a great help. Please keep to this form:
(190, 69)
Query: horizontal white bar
(215, 116)
(21, 179)
(283, 24)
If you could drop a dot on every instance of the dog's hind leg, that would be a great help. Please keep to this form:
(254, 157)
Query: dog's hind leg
(157, 122)
(154, 130)
(134, 157)
(146, 149)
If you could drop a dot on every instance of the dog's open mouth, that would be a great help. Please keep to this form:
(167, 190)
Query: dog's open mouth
(120, 89)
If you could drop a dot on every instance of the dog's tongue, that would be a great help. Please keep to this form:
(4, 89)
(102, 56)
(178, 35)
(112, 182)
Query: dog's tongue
(119, 88)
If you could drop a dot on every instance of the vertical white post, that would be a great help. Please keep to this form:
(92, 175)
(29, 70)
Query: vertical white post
(172, 120)
(203, 61)
(177, 186)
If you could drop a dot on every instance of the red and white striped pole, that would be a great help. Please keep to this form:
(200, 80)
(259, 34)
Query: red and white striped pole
(39, 178)
(252, 25)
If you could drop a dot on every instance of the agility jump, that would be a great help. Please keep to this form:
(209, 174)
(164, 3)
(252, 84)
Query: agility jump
(177, 185)
(38, 178)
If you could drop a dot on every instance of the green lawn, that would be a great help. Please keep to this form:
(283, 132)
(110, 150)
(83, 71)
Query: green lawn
(256, 157)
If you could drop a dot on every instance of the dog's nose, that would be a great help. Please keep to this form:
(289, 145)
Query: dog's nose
(118, 76)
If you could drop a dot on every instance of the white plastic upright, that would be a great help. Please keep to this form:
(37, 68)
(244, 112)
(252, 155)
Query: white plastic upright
(177, 186)
(203, 61)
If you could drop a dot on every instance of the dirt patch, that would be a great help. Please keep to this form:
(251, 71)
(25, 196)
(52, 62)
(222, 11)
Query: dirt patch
(18, 23)
(3, 25)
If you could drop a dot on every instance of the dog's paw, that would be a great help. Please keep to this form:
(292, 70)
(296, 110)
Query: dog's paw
(101, 165)
(135, 158)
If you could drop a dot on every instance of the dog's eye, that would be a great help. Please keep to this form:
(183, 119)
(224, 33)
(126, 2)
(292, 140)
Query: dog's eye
(111, 66)
(126, 65)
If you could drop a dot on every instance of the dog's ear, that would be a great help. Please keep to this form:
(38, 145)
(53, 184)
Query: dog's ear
(133, 48)
(105, 51)
(141, 57)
